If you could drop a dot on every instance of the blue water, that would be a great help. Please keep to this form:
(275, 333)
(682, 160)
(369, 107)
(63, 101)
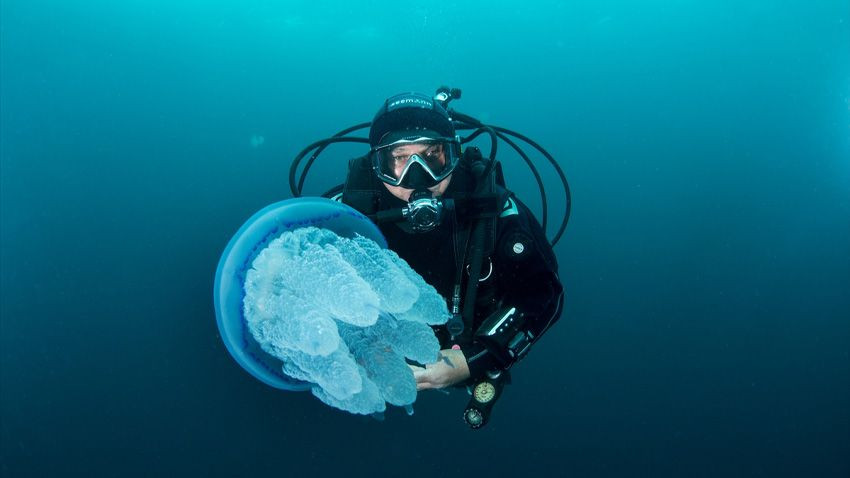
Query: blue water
(707, 262)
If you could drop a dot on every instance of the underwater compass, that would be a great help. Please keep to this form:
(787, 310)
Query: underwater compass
(484, 392)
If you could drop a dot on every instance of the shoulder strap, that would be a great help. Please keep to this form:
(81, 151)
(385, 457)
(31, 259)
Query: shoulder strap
(481, 237)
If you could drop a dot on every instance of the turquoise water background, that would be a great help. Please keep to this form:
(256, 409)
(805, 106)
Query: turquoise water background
(706, 264)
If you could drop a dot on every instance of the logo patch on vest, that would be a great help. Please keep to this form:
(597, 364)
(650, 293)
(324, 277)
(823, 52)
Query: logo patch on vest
(516, 246)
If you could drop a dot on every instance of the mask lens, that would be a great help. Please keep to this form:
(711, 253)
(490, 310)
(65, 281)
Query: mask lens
(437, 157)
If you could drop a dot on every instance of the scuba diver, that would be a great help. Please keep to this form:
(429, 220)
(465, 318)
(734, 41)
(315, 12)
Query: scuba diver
(444, 209)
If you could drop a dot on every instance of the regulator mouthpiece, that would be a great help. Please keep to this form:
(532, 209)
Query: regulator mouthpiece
(423, 212)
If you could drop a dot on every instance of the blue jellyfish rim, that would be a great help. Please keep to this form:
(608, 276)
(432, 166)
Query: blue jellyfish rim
(254, 236)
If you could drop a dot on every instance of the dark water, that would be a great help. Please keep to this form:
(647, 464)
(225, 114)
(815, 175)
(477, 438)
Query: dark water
(707, 262)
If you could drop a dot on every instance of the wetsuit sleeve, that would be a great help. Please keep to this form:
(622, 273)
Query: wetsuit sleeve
(526, 272)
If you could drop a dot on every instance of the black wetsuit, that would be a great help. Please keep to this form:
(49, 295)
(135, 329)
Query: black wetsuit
(524, 271)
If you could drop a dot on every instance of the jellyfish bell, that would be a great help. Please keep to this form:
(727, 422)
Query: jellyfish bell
(236, 260)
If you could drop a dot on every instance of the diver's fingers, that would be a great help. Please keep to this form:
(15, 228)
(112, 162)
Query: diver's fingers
(423, 379)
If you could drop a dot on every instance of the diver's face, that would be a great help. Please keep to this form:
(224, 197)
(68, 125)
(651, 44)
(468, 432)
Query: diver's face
(433, 154)
(404, 193)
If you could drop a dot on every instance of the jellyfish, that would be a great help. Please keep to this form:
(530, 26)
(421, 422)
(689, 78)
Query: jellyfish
(308, 297)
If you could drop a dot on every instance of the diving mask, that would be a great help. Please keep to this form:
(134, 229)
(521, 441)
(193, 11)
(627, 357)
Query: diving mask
(416, 163)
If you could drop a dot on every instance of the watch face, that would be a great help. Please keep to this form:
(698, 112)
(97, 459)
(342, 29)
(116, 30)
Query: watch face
(484, 392)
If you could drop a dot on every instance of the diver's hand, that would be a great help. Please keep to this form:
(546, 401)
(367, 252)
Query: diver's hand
(449, 369)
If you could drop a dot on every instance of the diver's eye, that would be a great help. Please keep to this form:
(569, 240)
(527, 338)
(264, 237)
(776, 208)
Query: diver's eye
(434, 155)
